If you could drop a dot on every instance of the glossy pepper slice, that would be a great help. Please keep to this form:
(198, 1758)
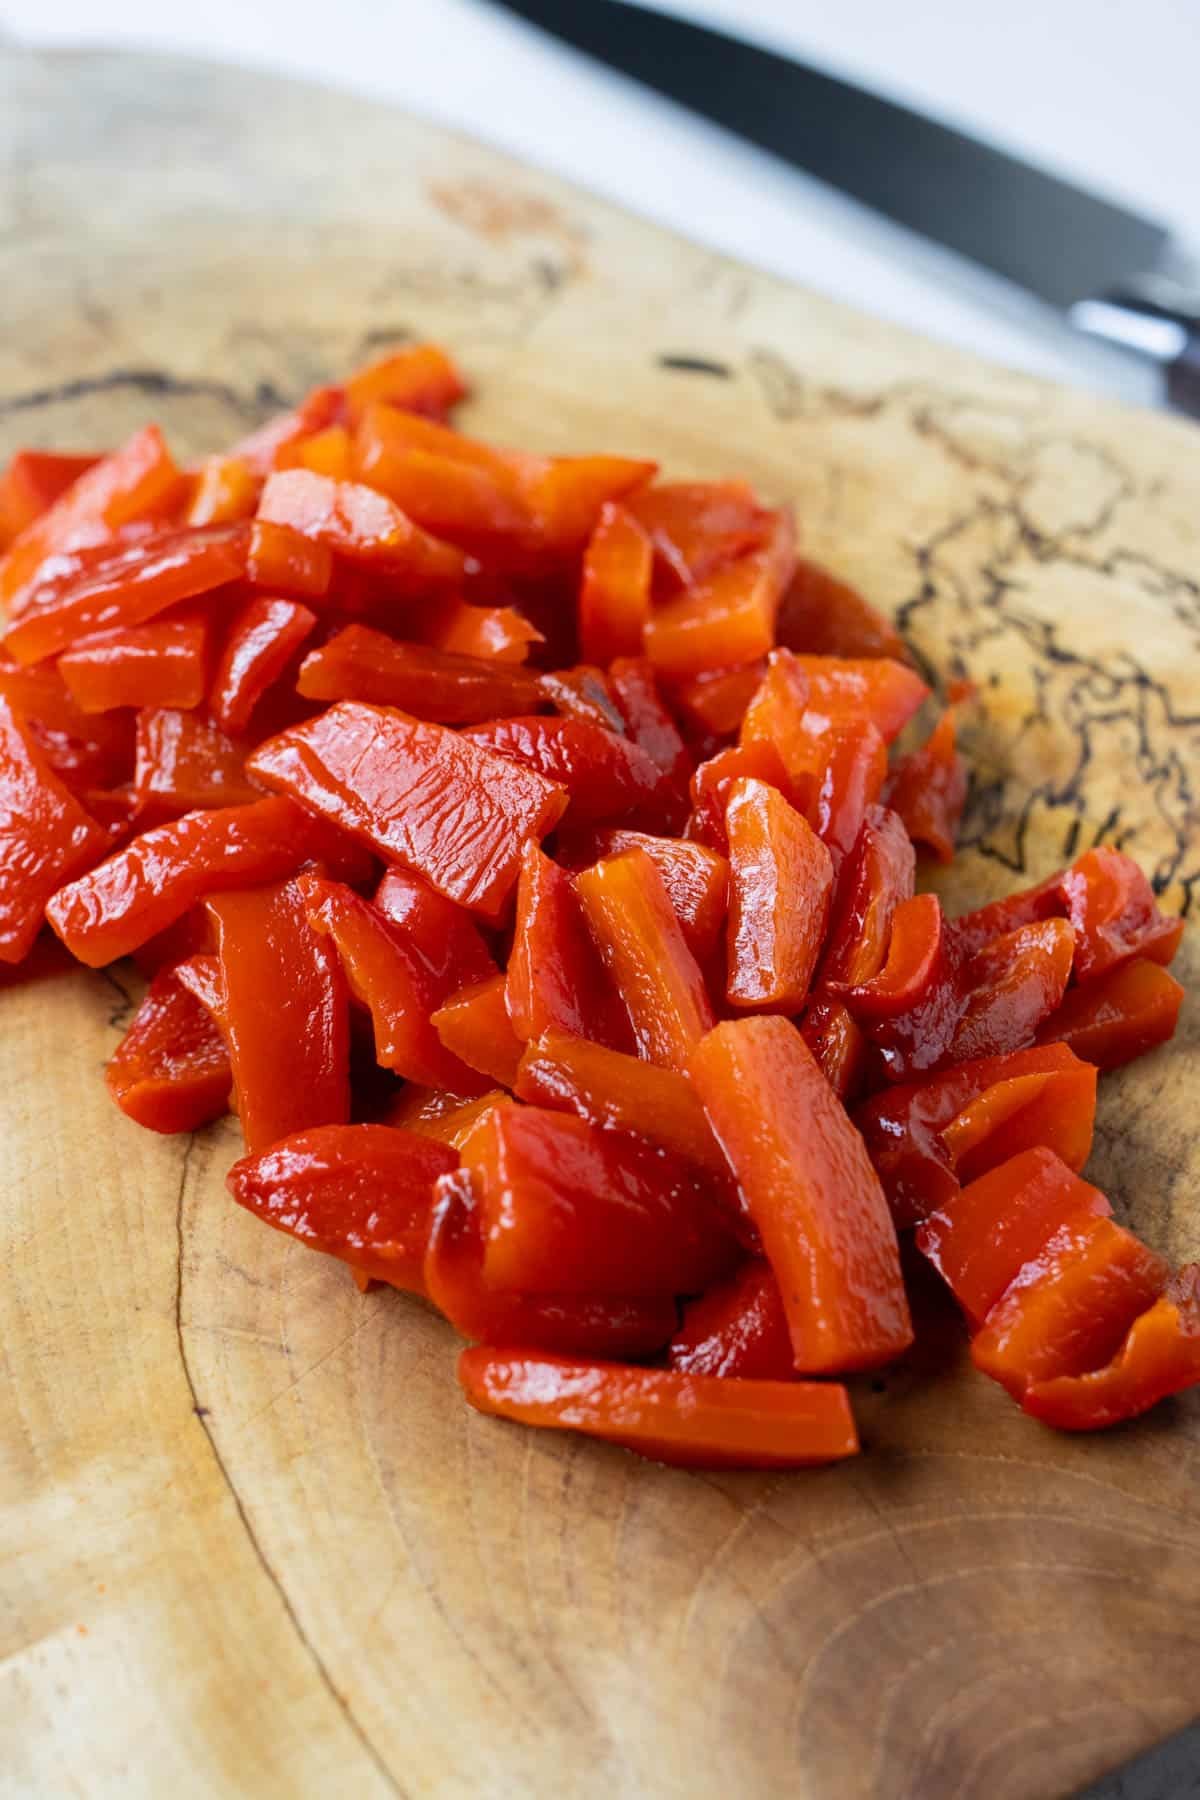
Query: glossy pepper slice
(696, 526)
(437, 1114)
(261, 449)
(477, 508)
(695, 877)
(1159, 1355)
(606, 776)
(713, 782)
(606, 1087)
(46, 837)
(184, 762)
(837, 1043)
(444, 936)
(262, 640)
(85, 750)
(286, 1014)
(474, 1026)
(585, 1325)
(642, 944)
(1117, 1016)
(821, 615)
(879, 879)
(738, 1330)
(171, 1070)
(649, 723)
(809, 1187)
(418, 794)
(154, 880)
(852, 689)
(614, 593)
(363, 664)
(224, 490)
(693, 1421)
(420, 377)
(356, 522)
(716, 700)
(32, 481)
(162, 663)
(928, 788)
(282, 559)
(728, 618)
(566, 1207)
(363, 1193)
(781, 889)
(496, 633)
(556, 978)
(982, 1238)
(400, 984)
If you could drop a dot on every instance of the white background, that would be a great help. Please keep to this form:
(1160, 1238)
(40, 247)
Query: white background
(1105, 91)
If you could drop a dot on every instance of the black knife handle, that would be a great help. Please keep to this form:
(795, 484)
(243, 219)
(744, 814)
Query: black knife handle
(1156, 317)
(1183, 378)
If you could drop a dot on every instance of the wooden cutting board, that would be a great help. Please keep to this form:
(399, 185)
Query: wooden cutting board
(255, 1543)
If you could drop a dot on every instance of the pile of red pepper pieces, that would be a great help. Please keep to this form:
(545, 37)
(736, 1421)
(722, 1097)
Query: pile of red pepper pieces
(519, 846)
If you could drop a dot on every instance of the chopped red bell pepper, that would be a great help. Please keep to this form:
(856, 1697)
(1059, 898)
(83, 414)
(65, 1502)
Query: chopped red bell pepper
(696, 526)
(283, 560)
(1117, 1016)
(567, 494)
(201, 975)
(479, 509)
(716, 700)
(641, 941)
(1159, 1355)
(728, 618)
(328, 452)
(32, 481)
(474, 1026)
(354, 521)
(712, 783)
(496, 633)
(781, 888)
(823, 616)
(262, 449)
(694, 1421)
(606, 776)
(85, 750)
(878, 879)
(809, 1186)
(286, 1014)
(171, 1071)
(928, 788)
(421, 377)
(837, 1043)
(225, 489)
(363, 664)
(614, 594)
(853, 689)
(46, 837)
(262, 641)
(583, 692)
(185, 762)
(695, 877)
(363, 1193)
(443, 935)
(162, 663)
(419, 795)
(648, 722)
(556, 977)
(437, 1114)
(738, 1330)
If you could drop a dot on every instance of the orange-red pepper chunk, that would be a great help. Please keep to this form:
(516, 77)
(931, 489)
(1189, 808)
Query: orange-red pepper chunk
(46, 837)
(641, 941)
(361, 663)
(354, 521)
(262, 641)
(713, 782)
(1159, 1355)
(823, 616)
(928, 788)
(728, 618)
(648, 722)
(696, 526)
(737, 1330)
(420, 377)
(84, 749)
(184, 762)
(32, 481)
(261, 450)
(556, 978)
(224, 490)
(606, 776)
(363, 1193)
(419, 795)
(693, 1421)
(781, 889)
(809, 1187)
(171, 1070)
(162, 663)
(286, 1013)
(435, 1113)
(1119, 1015)
(283, 560)
(474, 1026)
(473, 502)
(695, 877)
(614, 593)
(496, 633)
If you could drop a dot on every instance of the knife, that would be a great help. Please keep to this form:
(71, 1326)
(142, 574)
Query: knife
(1114, 275)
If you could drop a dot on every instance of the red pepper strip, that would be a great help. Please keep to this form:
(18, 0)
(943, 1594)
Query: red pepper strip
(31, 483)
(606, 776)
(398, 429)
(363, 1193)
(281, 559)
(434, 1113)
(608, 1326)
(556, 978)
(477, 508)
(713, 783)
(171, 1071)
(915, 962)
(497, 633)
(928, 788)
(774, 713)
(328, 452)
(981, 1238)
(1013, 985)
(823, 616)
(696, 526)
(399, 985)
(154, 880)
(201, 976)
(45, 836)
(226, 489)
(780, 893)
(583, 693)
(85, 750)
(1118, 1016)
(848, 773)
(837, 1044)
(421, 377)
(878, 879)
(163, 663)
(1069, 1308)
(137, 482)
(717, 699)
(446, 938)
(692, 1421)
(322, 407)
(419, 795)
(649, 724)
(125, 588)
(474, 1026)
(605, 1087)
(848, 690)
(738, 1330)
(695, 877)
(356, 522)
(567, 493)
(1160, 1355)
(643, 947)
(728, 618)
(286, 1014)
(262, 640)
(363, 664)
(614, 594)
(809, 1186)
(184, 763)
(976, 1114)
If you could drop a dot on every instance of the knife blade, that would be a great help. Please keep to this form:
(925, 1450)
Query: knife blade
(1111, 271)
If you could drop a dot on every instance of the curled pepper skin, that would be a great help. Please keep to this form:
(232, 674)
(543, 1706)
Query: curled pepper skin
(171, 1070)
(1159, 1355)
(183, 762)
(556, 977)
(692, 1421)
(582, 1324)
(729, 617)
(614, 593)
(46, 837)
(153, 881)
(566, 1207)
(821, 615)
(1118, 1016)
(738, 1330)
(163, 663)
(811, 1190)
(361, 663)
(606, 776)
(642, 945)
(474, 1026)
(419, 795)
(261, 643)
(695, 877)
(928, 788)
(697, 526)
(781, 889)
(286, 1013)
(363, 1193)
(986, 1233)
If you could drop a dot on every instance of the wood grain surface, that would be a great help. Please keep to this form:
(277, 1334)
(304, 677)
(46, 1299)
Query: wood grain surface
(253, 1542)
